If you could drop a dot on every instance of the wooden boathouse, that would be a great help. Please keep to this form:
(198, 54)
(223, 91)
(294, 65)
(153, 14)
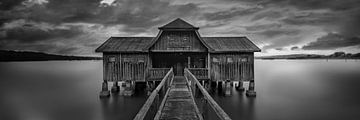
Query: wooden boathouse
(214, 61)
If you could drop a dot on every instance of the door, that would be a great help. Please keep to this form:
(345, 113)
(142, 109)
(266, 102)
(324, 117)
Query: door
(179, 69)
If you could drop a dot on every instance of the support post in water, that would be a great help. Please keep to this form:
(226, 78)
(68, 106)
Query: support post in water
(104, 90)
(251, 91)
(228, 88)
(240, 86)
(129, 88)
(115, 88)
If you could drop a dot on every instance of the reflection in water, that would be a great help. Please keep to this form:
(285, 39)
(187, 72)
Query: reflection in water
(286, 89)
(123, 107)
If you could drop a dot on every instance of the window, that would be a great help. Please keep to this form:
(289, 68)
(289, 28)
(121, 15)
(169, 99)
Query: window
(171, 37)
(230, 60)
(112, 59)
(127, 59)
(141, 60)
(243, 59)
(185, 38)
(215, 59)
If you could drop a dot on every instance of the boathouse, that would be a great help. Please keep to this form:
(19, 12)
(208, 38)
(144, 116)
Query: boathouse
(178, 45)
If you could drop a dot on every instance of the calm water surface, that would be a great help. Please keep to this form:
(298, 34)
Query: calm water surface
(286, 89)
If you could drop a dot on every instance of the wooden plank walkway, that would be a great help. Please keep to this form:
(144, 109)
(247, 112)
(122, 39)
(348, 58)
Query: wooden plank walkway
(179, 103)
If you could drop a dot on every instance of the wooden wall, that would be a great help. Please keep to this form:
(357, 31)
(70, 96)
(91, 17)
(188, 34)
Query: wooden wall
(231, 66)
(121, 67)
(178, 41)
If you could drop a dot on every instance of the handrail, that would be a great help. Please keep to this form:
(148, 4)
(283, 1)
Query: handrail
(218, 110)
(145, 108)
(156, 73)
(200, 73)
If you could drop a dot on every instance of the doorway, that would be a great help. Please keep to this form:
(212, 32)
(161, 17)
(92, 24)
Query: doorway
(177, 61)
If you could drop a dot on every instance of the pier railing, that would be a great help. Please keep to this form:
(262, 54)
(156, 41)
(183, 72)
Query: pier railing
(200, 73)
(156, 73)
(152, 104)
(205, 99)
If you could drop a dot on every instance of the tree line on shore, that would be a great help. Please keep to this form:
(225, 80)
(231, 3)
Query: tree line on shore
(335, 55)
(9, 55)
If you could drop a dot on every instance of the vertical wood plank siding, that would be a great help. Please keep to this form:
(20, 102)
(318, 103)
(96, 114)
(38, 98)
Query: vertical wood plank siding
(178, 41)
(232, 66)
(120, 67)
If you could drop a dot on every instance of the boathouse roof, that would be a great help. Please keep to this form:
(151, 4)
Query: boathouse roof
(214, 44)
(218, 44)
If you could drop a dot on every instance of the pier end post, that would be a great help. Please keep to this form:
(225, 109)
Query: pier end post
(104, 90)
(251, 91)
(240, 86)
(115, 88)
(129, 88)
(228, 88)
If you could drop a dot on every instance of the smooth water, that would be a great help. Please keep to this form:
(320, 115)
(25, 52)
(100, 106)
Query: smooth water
(286, 89)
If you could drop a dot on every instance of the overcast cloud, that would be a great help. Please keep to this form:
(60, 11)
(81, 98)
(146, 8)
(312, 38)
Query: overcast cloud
(77, 27)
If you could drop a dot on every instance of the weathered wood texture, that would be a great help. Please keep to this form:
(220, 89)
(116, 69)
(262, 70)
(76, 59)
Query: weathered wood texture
(179, 103)
(173, 41)
(231, 66)
(151, 102)
(156, 73)
(125, 44)
(200, 73)
(230, 44)
(121, 67)
(195, 84)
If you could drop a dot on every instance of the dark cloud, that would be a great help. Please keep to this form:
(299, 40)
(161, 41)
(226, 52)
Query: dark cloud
(9, 4)
(279, 49)
(295, 48)
(278, 21)
(336, 5)
(332, 41)
(29, 33)
(230, 13)
(132, 16)
(263, 27)
(267, 15)
(279, 32)
(350, 25)
(132, 13)
(310, 18)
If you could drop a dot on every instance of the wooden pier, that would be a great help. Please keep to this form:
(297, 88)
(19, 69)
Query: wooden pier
(178, 100)
(179, 103)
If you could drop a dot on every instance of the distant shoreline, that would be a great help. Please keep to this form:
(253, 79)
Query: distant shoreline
(336, 55)
(24, 56)
(307, 59)
(51, 60)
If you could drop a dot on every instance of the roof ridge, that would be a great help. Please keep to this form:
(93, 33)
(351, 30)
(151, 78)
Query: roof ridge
(128, 37)
(225, 37)
(178, 23)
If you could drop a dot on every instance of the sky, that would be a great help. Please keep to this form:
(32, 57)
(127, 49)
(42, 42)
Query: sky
(78, 27)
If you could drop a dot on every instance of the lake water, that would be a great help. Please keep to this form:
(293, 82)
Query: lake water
(286, 90)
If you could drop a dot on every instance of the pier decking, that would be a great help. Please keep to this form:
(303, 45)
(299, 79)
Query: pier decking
(179, 103)
(174, 98)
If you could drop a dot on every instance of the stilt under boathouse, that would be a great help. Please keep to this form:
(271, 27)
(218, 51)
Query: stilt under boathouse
(216, 62)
